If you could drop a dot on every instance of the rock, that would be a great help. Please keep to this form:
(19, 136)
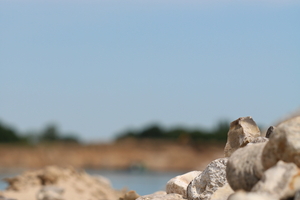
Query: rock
(77, 185)
(130, 195)
(244, 167)
(284, 144)
(242, 131)
(161, 196)
(180, 183)
(242, 195)
(222, 193)
(50, 193)
(270, 131)
(258, 140)
(4, 198)
(204, 185)
(281, 181)
(297, 195)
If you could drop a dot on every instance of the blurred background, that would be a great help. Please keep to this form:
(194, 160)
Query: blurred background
(140, 85)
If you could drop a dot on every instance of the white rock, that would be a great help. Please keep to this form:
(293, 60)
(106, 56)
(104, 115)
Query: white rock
(180, 183)
(281, 181)
(244, 167)
(242, 195)
(213, 177)
(50, 193)
(161, 196)
(242, 131)
(284, 144)
(222, 193)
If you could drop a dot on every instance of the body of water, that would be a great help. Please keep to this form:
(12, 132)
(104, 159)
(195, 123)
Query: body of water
(145, 182)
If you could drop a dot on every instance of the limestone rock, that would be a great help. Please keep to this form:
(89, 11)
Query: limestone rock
(281, 181)
(213, 177)
(284, 144)
(180, 183)
(244, 167)
(161, 196)
(242, 195)
(222, 193)
(241, 132)
(50, 193)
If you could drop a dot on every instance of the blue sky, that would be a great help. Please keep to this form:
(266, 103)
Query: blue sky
(100, 67)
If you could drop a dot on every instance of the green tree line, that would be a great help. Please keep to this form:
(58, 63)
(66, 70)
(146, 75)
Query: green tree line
(218, 133)
(49, 134)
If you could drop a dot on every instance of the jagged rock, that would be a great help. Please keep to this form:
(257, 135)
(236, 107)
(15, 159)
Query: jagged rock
(241, 132)
(213, 177)
(50, 193)
(222, 193)
(242, 195)
(130, 195)
(180, 183)
(161, 196)
(281, 181)
(244, 167)
(284, 144)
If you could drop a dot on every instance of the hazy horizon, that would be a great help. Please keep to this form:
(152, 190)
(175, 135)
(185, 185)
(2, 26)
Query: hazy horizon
(97, 68)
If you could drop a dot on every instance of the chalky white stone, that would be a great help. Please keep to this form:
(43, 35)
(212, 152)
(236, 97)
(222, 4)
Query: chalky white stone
(281, 181)
(212, 178)
(180, 183)
(284, 144)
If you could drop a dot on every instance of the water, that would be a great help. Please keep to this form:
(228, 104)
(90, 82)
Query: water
(145, 182)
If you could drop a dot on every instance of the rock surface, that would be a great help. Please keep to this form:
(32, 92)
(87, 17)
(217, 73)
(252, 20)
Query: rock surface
(281, 181)
(179, 184)
(212, 178)
(244, 167)
(50, 193)
(258, 140)
(161, 196)
(222, 193)
(50, 181)
(242, 195)
(242, 131)
(284, 144)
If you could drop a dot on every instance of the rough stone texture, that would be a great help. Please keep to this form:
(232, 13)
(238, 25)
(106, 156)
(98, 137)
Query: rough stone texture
(161, 196)
(258, 140)
(213, 177)
(241, 132)
(180, 183)
(282, 181)
(222, 193)
(242, 195)
(284, 144)
(244, 167)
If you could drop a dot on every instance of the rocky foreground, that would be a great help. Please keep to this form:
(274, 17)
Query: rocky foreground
(256, 166)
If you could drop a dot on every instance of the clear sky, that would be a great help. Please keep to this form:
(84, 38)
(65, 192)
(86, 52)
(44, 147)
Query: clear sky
(100, 67)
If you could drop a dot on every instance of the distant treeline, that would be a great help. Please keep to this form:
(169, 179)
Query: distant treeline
(49, 134)
(219, 133)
